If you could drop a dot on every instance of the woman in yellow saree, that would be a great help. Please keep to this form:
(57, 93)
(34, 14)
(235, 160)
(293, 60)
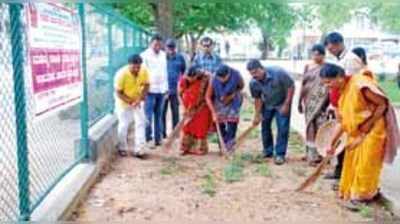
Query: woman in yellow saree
(367, 117)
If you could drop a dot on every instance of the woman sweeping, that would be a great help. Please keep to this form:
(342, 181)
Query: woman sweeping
(192, 90)
(313, 102)
(224, 99)
(368, 119)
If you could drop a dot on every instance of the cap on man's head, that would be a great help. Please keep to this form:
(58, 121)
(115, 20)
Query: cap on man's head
(170, 43)
(254, 64)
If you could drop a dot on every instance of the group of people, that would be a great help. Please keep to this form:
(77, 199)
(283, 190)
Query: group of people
(346, 90)
(211, 96)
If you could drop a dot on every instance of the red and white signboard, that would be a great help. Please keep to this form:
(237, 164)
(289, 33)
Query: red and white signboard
(54, 53)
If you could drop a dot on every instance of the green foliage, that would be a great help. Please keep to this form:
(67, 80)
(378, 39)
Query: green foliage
(366, 211)
(209, 184)
(391, 89)
(276, 20)
(246, 156)
(193, 17)
(385, 13)
(263, 170)
(172, 167)
(255, 133)
(233, 172)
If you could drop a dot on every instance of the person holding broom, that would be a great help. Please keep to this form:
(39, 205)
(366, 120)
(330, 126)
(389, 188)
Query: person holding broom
(369, 121)
(273, 90)
(224, 99)
(192, 91)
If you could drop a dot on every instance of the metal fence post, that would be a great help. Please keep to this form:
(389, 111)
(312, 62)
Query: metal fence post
(110, 64)
(84, 107)
(20, 110)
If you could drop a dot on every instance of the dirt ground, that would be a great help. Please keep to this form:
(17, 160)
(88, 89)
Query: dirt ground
(168, 188)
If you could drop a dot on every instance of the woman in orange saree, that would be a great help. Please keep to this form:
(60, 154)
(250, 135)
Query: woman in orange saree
(192, 90)
(367, 118)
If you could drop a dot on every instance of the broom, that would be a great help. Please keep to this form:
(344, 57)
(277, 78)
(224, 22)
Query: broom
(314, 176)
(175, 133)
(177, 130)
(242, 137)
(222, 146)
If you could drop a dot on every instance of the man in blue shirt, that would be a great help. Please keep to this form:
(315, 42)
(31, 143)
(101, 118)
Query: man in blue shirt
(176, 66)
(273, 90)
(206, 59)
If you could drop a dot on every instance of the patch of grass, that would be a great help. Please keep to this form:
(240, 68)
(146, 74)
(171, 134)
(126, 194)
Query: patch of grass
(171, 168)
(366, 211)
(233, 172)
(255, 133)
(246, 156)
(258, 159)
(247, 112)
(296, 143)
(209, 185)
(391, 89)
(263, 170)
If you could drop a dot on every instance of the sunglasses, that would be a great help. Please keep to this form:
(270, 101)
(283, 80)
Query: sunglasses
(206, 45)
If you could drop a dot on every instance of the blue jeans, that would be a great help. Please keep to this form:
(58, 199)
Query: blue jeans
(228, 132)
(283, 124)
(153, 107)
(173, 101)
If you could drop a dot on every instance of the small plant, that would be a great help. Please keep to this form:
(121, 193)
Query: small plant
(209, 185)
(366, 211)
(255, 133)
(258, 159)
(263, 170)
(246, 156)
(239, 160)
(171, 168)
(233, 173)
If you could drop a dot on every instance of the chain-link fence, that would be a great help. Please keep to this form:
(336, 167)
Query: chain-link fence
(35, 154)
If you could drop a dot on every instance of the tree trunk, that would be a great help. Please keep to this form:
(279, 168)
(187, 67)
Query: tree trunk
(163, 13)
(193, 44)
(264, 46)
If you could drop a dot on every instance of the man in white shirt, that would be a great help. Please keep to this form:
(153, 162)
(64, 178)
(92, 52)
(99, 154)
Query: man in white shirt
(345, 58)
(155, 60)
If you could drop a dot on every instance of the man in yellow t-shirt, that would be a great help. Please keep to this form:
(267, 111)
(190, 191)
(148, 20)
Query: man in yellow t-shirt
(131, 86)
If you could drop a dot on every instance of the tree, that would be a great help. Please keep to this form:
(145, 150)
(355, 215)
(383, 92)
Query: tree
(384, 13)
(275, 21)
(191, 19)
